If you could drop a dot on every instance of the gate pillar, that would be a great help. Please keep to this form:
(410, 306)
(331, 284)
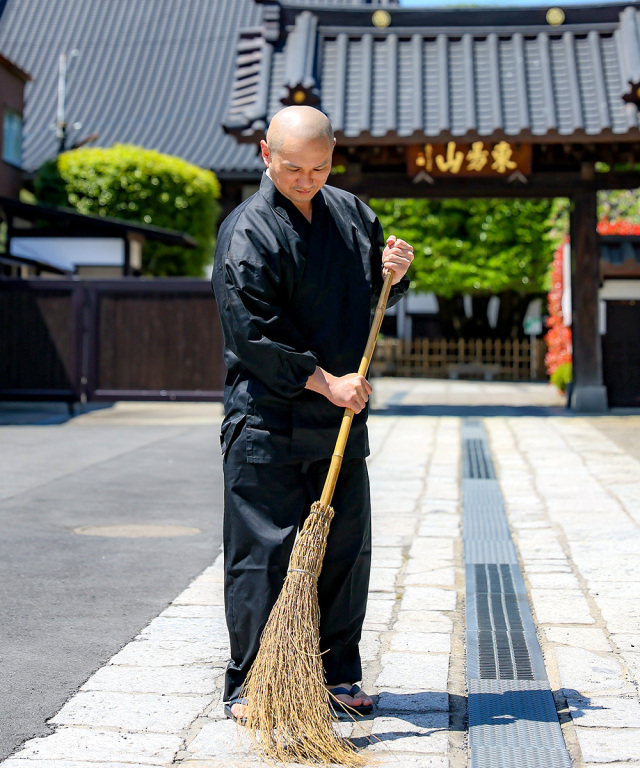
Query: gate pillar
(589, 395)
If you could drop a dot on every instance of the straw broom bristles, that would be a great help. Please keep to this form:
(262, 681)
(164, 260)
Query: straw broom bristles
(288, 706)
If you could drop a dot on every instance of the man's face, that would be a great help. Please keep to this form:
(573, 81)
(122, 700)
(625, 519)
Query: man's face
(300, 168)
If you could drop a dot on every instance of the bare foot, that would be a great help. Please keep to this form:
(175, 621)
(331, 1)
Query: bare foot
(359, 700)
(239, 711)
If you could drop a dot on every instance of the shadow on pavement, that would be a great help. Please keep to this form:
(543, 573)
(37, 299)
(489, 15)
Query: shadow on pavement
(495, 709)
(25, 413)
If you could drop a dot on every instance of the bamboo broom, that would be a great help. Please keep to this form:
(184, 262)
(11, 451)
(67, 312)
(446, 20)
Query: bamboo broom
(288, 705)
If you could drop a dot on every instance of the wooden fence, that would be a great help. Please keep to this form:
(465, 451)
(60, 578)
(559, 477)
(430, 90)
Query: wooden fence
(124, 339)
(489, 359)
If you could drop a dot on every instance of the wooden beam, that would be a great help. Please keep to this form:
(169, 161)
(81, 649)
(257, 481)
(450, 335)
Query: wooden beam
(589, 395)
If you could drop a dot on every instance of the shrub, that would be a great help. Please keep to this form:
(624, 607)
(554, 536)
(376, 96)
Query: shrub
(562, 376)
(558, 337)
(140, 185)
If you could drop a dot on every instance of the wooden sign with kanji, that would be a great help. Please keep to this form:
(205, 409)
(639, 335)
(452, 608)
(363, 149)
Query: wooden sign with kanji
(478, 158)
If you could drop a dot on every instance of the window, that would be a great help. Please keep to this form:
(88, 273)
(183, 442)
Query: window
(12, 137)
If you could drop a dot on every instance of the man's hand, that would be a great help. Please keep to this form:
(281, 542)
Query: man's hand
(350, 391)
(397, 256)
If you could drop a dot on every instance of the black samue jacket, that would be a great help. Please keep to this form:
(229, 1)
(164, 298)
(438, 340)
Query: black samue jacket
(293, 295)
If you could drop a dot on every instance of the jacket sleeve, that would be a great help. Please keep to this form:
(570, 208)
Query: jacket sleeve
(250, 290)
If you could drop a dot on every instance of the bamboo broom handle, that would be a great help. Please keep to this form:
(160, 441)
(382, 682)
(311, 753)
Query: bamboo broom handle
(338, 452)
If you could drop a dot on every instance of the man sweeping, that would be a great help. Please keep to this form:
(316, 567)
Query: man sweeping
(298, 268)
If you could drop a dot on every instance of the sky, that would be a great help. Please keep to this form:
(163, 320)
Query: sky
(494, 3)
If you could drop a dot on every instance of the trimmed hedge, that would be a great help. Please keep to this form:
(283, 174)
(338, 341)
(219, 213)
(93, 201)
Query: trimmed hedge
(140, 185)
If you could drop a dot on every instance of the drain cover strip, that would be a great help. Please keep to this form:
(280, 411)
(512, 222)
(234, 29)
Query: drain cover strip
(512, 716)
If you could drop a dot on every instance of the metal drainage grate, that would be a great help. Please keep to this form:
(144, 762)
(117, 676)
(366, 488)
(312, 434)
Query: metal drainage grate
(476, 461)
(512, 716)
(515, 725)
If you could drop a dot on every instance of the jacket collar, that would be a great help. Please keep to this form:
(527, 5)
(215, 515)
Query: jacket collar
(284, 207)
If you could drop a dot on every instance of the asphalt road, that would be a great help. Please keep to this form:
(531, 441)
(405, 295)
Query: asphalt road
(68, 602)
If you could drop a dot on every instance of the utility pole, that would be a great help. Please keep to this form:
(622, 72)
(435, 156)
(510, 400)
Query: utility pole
(61, 120)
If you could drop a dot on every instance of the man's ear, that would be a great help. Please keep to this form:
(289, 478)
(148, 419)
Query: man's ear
(266, 155)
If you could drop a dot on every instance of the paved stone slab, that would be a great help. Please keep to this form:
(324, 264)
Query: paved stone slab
(417, 733)
(608, 745)
(426, 549)
(379, 613)
(604, 711)
(103, 746)
(401, 523)
(175, 611)
(201, 594)
(622, 615)
(140, 712)
(409, 760)
(397, 700)
(560, 565)
(423, 642)
(34, 763)
(165, 628)
(382, 580)
(428, 599)
(632, 764)
(587, 672)
(423, 621)
(632, 664)
(221, 739)
(627, 642)
(150, 653)
(589, 639)
(552, 606)
(560, 581)
(424, 576)
(414, 671)
(192, 679)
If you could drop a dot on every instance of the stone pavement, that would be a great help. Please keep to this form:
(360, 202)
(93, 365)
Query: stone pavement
(573, 499)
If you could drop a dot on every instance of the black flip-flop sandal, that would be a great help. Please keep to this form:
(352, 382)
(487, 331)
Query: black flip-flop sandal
(229, 713)
(342, 707)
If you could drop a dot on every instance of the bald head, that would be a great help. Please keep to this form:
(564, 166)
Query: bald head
(302, 124)
(298, 153)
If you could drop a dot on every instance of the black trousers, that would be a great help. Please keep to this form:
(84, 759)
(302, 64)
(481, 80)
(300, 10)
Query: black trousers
(264, 504)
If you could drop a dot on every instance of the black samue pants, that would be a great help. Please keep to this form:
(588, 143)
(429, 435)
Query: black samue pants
(264, 506)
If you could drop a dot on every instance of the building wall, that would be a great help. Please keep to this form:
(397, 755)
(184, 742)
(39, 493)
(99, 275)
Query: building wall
(11, 97)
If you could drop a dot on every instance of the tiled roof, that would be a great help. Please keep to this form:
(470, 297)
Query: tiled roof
(445, 74)
(152, 72)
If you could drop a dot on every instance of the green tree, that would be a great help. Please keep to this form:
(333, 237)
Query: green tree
(141, 185)
(619, 205)
(478, 247)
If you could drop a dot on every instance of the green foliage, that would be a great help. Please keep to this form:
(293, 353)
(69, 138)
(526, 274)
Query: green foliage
(619, 205)
(562, 376)
(473, 246)
(141, 185)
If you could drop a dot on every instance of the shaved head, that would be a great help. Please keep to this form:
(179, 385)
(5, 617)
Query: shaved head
(298, 153)
(305, 124)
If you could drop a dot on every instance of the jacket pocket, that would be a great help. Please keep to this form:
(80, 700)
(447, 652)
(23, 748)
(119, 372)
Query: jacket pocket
(259, 448)
(230, 431)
